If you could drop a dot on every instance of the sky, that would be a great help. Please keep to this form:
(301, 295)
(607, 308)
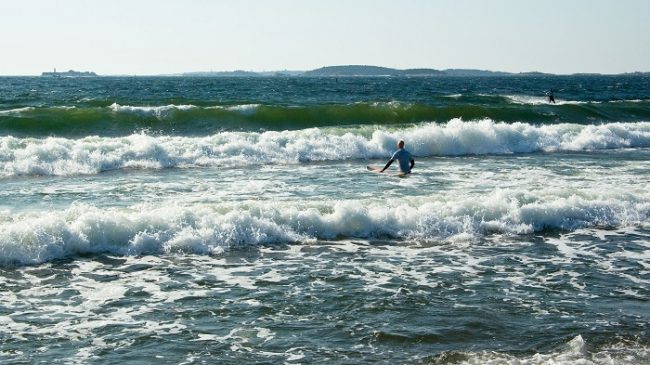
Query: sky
(145, 37)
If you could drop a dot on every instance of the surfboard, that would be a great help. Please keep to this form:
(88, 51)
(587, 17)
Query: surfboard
(377, 170)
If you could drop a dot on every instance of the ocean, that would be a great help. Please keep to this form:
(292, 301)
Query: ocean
(189, 220)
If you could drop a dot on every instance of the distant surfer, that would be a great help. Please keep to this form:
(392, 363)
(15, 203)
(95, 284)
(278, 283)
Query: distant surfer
(406, 161)
(551, 97)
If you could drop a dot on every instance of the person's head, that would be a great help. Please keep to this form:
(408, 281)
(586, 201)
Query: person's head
(400, 144)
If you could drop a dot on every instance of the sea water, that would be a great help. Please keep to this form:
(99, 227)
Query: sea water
(232, 220)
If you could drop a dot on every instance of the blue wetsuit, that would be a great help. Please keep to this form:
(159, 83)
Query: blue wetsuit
(404, 158)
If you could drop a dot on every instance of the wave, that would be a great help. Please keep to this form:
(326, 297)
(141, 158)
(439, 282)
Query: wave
(148, 111)
(91, 155)
(16, 111)
(208, 228)
(192, 120)
(539, 100)
(576, 351)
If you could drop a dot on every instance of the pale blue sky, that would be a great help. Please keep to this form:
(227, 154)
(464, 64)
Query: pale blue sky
(165, 36)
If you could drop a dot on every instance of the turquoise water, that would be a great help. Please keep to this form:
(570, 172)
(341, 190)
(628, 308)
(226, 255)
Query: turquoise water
(202, 220)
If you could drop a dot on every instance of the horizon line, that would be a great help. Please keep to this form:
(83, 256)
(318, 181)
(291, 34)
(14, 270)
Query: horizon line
(182, 73)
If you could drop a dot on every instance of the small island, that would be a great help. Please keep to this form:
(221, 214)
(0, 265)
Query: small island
(365, 70)
(69, 73)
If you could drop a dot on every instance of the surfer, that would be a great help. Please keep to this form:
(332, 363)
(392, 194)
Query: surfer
(551, 97)
(406, 161)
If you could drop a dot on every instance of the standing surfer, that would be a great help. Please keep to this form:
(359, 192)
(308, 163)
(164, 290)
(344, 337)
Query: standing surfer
(406, 161)
(551, 97)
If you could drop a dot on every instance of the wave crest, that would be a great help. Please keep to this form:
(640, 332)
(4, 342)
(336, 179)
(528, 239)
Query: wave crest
(191, 120)
(35, 237)
(91, 155)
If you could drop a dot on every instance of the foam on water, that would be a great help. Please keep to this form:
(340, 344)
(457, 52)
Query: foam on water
(253, 248)
(163, 111)
(537, 100)
(156, 111)
(33, 237)
(16, 110)
(90, 155)
(574, 352)
(245, 109)
(242, 305)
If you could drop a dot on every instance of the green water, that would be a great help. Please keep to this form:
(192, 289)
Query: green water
(207, 220)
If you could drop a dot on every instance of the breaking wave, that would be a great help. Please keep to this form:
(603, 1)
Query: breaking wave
(576, 351)
(34, 237)
(91, 155)
(200, 120)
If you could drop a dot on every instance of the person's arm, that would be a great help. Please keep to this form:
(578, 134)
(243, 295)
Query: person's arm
(387, 164)
(412, 164)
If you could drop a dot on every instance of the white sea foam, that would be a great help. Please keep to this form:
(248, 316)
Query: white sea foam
(540, 100)
(245, 109)
(388, 104)
(631, 101)
(16, 110)
(163, 111)
(147, 111)
(207, 228)
(89, 155)
(574, 352)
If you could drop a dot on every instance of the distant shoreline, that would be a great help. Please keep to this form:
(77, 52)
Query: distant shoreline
(378, 71)
(69, 73)
(337, 71)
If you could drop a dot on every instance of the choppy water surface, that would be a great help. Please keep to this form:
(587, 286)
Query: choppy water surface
(182, 220)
